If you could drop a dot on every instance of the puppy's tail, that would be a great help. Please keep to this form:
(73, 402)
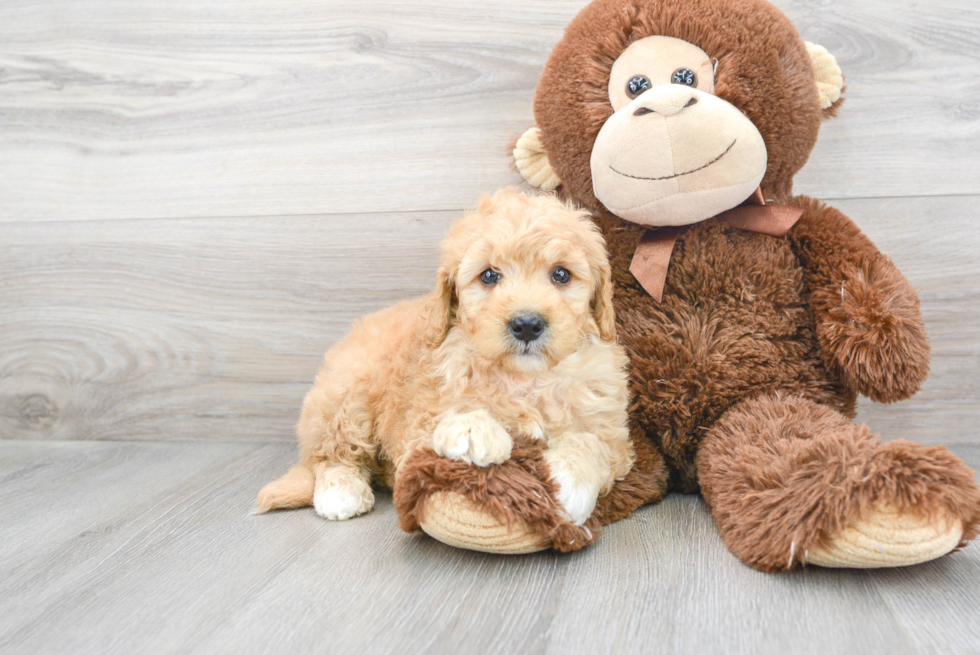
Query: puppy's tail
(295, 489)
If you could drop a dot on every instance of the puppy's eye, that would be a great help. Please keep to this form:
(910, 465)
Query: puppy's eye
(684, 76)
(637, 85)
(489, 277)
(561, 276)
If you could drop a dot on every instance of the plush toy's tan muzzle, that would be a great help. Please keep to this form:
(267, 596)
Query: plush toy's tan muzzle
(675, 156)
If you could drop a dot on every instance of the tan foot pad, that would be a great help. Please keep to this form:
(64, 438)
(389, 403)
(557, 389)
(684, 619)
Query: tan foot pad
(454, 520)
(889, 538)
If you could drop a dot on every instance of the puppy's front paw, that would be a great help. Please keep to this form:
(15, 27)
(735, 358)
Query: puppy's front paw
(576, 494)
(473, 437)
(341, 493)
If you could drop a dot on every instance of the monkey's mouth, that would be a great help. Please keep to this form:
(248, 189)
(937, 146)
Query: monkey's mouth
(670, 177)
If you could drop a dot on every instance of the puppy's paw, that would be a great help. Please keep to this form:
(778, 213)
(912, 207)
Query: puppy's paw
(532, 429)
(473, 437)
(577, 493)
(341, 493)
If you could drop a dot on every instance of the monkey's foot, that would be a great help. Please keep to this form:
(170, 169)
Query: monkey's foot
(455, 520)
(506, 508)
(887, 538)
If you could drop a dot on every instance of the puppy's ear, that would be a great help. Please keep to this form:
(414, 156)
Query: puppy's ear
(602, 302)
(442, 308)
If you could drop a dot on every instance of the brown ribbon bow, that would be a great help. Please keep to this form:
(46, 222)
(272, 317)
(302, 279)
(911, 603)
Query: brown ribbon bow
(652, 256)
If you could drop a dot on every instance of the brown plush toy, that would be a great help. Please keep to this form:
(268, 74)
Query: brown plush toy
(752, 318)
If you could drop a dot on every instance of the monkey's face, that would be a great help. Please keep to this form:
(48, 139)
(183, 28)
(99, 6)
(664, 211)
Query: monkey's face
(667, 112)
(672, 153)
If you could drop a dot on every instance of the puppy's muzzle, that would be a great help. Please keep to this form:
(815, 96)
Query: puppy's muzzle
(527, 326)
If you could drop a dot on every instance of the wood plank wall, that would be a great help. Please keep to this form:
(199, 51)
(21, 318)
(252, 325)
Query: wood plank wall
(197, 198)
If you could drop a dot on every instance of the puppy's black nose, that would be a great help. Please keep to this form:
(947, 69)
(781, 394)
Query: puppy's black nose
(527, 327)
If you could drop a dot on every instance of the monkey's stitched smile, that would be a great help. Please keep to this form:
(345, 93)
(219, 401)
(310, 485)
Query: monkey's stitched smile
(670, 177)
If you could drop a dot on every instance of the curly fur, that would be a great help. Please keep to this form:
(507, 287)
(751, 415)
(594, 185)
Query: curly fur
(520, 490)
(449, 359)
(744, 378)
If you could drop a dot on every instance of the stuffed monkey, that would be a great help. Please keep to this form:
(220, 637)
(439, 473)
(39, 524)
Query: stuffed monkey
(752, 317)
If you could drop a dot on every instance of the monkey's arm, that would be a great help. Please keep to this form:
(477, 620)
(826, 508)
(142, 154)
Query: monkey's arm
(867, 315)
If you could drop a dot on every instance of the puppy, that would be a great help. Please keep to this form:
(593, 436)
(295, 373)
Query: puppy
(518, 338)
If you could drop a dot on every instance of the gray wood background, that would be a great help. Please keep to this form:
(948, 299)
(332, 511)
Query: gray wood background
(197, 198)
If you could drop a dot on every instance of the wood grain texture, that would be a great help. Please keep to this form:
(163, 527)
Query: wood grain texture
(934, 244)
(190, 329)
(197, 199)
(250, 107)
(135, 547)
(213, 329)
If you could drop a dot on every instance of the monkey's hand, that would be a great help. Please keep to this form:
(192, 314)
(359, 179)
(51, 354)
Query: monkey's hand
(873, 328)
(868, 320)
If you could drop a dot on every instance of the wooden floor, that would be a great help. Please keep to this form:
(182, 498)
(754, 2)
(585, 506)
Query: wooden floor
(197, 198)
(124, 547)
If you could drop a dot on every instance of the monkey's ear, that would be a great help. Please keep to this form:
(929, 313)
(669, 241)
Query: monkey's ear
(532, 161)
(830, 79)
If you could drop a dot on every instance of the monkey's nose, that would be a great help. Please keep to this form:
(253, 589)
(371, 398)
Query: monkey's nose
(527, 326)
(670, 100)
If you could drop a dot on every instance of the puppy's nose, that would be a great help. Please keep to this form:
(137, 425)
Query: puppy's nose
(527, 327)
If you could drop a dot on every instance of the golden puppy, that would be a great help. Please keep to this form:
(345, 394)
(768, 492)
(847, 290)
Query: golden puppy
(516, 339)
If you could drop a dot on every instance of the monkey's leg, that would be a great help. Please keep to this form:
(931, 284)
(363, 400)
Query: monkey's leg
(791, 482)
(514, 507)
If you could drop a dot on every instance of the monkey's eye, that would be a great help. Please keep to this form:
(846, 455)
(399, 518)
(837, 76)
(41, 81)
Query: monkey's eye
(489, 277)
(637, 85)
(561, 276)
(684, 76)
